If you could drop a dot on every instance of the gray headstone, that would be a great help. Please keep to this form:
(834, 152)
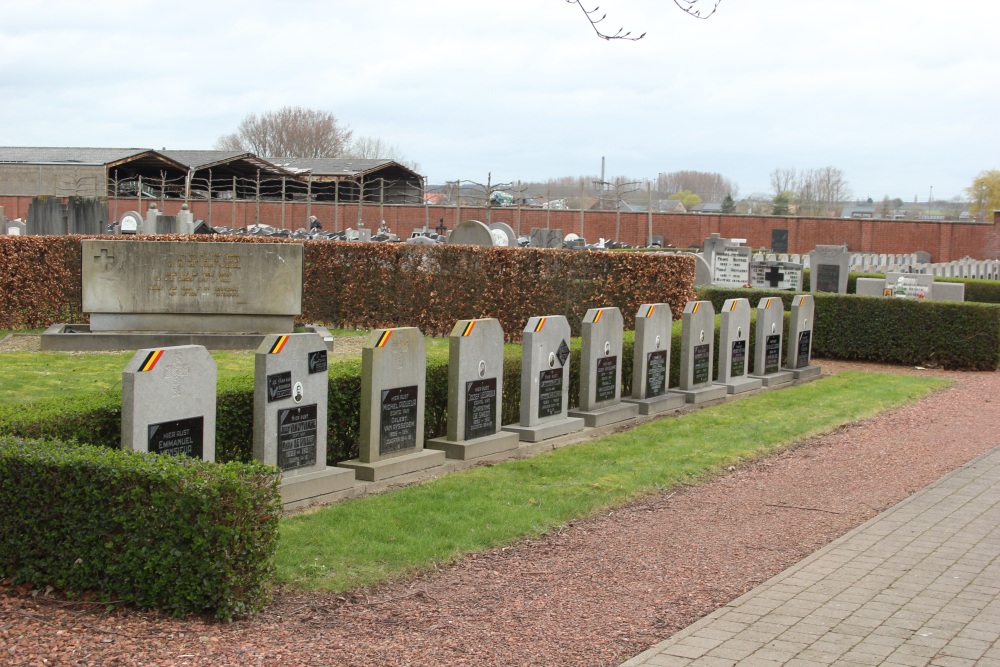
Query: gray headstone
(713, 245)
(421, 240)
(768, 343)
(471, 232)
(734, 347)
(475, 392)
(829, 269)
(651, 360)
(702, 271)
(546, 238)
(15, 228)
(130, 223)
(601, 369)
(870, 286)
(191, 287)
(798, 357)
(909, 285)
(949, 291)
(545, 364)
(776, 275)
(507, 230)
(732, 266)
(168, 402)
(697, 353)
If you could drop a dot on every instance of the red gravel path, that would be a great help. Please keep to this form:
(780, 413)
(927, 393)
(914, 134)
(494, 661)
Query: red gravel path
(595, 593)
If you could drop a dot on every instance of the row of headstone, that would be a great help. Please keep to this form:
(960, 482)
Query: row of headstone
(728, 263)
(168, 398)
(15, 227)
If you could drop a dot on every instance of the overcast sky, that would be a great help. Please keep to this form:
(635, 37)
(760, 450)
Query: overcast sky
(901, 95)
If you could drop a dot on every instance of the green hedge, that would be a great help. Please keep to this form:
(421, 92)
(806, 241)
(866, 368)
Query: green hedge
(172, 533)
(949, 334)
(976, 290)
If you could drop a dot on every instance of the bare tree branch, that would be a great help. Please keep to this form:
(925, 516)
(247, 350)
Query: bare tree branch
(690, 7)
(592, 17)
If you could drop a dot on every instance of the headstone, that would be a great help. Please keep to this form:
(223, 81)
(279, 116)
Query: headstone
(168, 402)
(922, 257)
(421, 240)
(475, 392)
(15, 228)
(545, 364)
(702, 271)
(393, 377)
(471, 232)
(601, 370)
(290, 417)
(909, 285)
(776, 275)
(508, 232)
(870, 287)
(651, 361)
(767, 352)
(732, 267)
(734, 347)
(546, 238)
(697, 354)
(713, 245)
(830, 266)
(949, 291)
(798, 357)
(130, 223)
(779, 240)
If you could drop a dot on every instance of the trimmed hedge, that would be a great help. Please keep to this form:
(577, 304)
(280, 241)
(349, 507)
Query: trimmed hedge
(976, 290)
(949, 334)
(172, 533)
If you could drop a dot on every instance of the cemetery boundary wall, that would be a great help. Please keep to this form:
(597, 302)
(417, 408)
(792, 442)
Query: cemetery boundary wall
(945, 241)
(374, 285)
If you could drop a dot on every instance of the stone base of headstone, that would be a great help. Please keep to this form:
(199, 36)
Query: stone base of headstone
(477, 448)
(79, 338)
(314, 487)
(705, 394)
(604, 416)
(654, 406)
(775, 379)
(552, 429)
(805, 372)
(396, 466)
(740, 385)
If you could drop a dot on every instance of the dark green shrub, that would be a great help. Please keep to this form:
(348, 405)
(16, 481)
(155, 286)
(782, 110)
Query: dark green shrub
(171, 533)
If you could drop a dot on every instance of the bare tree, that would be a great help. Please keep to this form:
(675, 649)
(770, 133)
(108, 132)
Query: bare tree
(373, 148)
(689, 7)
(821, 191)
(708, 186)
(289, 132)
(782, 181)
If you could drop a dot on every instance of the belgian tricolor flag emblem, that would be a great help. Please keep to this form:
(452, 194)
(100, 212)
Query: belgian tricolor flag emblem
(384, 338)
(541, 323)
(279, 345)
(150, 361)
(468, 328)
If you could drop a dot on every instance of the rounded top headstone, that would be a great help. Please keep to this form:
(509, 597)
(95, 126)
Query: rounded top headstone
(507, 230)
(471, 232)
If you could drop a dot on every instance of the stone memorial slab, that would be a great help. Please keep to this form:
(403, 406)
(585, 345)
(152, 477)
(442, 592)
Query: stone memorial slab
(697, 354)
(651, 361)
(732, 267)
(471, 232)
(546, 238)
(830, 266)
(168, 402)
(909, 285)
(601, 370)
(702, 271)
(475, 392)
(393, 381)
(508, 232)
(15, 228)
(290, 417)
(798, 357)
(776, 275)
(713, 245)
(734, 348)
(767, 354)
(545, 364)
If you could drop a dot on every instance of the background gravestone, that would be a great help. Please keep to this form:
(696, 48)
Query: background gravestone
(909, 285)
(651, 361)
(772, 274)
(798, 357)
(779, 240)
(545, 381)
(15, 228)
(546, 238)
(601, 370)
(507, 230)
(168, 402)
(702, 271)
(829, 266)
(290, 417)
(768, 332)
(697, 355)
(713, 244)
(732, 266)
(471, 232)
(475, 392)
(393, 380)
(734, 347)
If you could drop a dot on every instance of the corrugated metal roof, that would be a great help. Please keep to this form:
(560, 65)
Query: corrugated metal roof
(326, 166)
(62, 155)
(199, 160)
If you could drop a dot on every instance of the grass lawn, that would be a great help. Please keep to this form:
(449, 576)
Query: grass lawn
(374, 539)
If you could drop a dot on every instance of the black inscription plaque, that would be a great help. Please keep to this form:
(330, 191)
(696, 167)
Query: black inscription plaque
(656, 373)
(802, 359)
(779, 240)
(480, 408)
(398, 424)
(279, 386)
(317, 362)
(297, 437)
(738, 360)
(607, 370)
(550, 389)
(828, 278)
(772, 354)
(180, 437)
(702, 361)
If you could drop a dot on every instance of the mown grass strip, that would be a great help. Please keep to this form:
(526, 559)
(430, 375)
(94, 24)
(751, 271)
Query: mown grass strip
(371, 540)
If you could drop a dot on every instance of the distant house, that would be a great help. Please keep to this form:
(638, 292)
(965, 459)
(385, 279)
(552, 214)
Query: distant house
(714, 208)
(860, 211)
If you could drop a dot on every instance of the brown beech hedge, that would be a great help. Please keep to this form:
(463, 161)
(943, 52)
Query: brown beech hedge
(371, 285)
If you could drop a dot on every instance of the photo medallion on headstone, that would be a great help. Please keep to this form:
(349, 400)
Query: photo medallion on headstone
(800, 328)
(393, 381)
(734, 338)
(651, 361)
(768, 335)
(545, 359)
(697, 343)
(600, 371)
(168, 402)
(475, 392)
(290, 418)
